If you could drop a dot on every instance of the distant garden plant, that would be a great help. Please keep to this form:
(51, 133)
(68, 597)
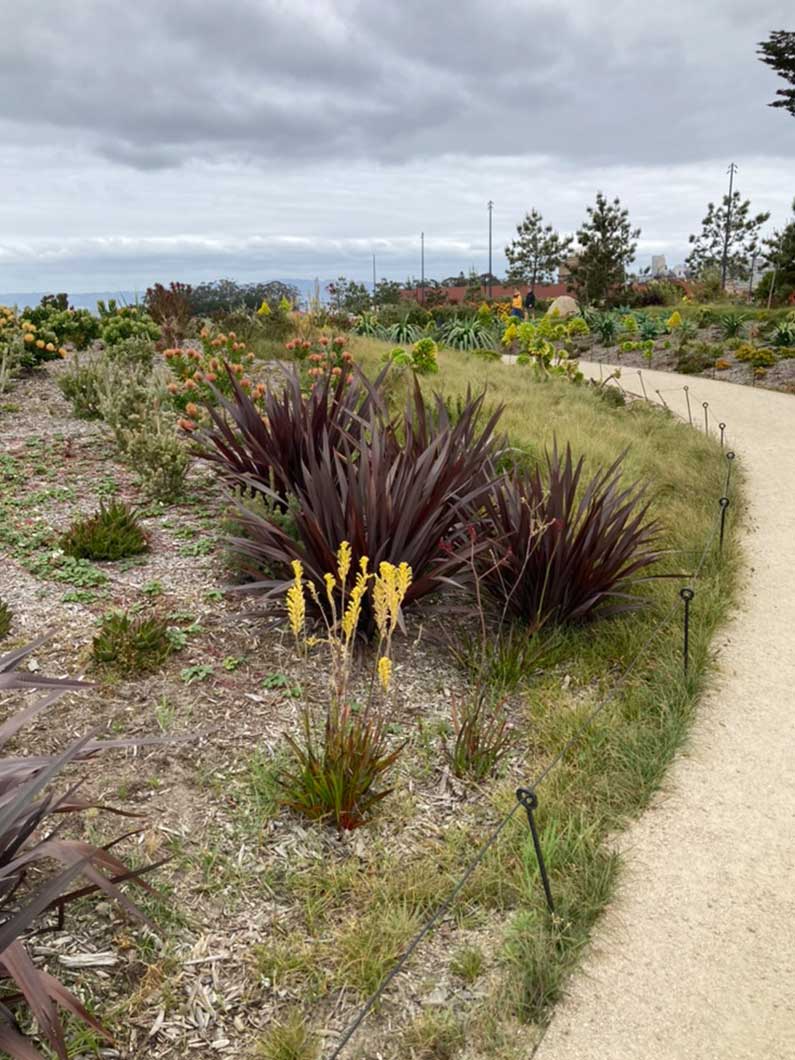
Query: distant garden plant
(131, 644)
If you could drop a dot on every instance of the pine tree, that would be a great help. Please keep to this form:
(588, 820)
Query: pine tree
(606, 245)
(779, 254)
(741, 245)
(778, 52)
(536, 254)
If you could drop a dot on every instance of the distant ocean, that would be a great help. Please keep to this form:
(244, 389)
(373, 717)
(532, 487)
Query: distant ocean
(89, 299)
(86, 300)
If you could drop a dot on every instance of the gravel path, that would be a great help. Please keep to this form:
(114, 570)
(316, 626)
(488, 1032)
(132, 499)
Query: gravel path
(696, 956)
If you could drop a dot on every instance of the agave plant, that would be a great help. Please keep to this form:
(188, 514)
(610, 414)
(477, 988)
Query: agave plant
(563, 550)
(731, 324)
(30, 844)
(398, 492)
(403, 333)
(367, 324)
(471, 334)
(784, 334)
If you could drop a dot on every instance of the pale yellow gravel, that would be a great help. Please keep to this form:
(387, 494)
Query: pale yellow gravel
(695, 960)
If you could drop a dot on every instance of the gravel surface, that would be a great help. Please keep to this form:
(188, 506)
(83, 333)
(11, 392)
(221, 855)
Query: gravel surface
(696, 957)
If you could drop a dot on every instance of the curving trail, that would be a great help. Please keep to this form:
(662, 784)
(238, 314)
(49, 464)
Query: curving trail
(695, 959)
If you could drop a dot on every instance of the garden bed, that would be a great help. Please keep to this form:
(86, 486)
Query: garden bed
(268, 919)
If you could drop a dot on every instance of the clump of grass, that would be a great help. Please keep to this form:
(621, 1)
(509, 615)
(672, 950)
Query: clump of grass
(131, 644)
(109, 534)
(481, 735)
(434, 1036)
(6, 615)
(290, 1040)
(467, 963)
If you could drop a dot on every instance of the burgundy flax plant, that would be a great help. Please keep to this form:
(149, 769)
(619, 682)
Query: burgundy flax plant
(564, 550)
(264, 447)
(398, 492)
(38, 865)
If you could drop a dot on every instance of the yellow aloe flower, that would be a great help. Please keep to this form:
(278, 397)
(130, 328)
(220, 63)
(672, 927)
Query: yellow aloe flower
(296, 604)
(384, 671)
(330, 586)
(343, 560)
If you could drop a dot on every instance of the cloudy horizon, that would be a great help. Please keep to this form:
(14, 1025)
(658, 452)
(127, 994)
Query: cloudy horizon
(264, 140)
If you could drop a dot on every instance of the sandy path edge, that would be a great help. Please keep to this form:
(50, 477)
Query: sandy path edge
(695, 958)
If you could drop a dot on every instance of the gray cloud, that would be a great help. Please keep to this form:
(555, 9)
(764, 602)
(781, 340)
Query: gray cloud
(152, 84)
(184, 139)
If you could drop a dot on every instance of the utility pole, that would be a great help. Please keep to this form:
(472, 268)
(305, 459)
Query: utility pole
(422, 267)
(725, 260)
(491, 207)
(373, 278)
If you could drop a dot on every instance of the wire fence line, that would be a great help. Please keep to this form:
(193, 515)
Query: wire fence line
(441, 911)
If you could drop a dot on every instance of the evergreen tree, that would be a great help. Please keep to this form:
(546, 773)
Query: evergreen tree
(606, 244)
(778, 51)
(779, 253)
(741, 244)
(349, 296)
(387, 292)
(535, 255)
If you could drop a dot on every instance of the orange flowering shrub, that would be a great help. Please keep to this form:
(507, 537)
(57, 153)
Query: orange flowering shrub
(328, 356)
(199, 373)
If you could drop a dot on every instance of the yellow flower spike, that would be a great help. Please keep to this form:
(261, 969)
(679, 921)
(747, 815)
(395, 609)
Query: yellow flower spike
(350, 620)
(313, 593)
(343, 560)
(404, 575)
(384, 671)
(298, 570)
(363, 564)
(331, 585)
(296, 604)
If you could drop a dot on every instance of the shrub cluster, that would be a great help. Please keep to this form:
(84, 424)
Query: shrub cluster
(109, 534)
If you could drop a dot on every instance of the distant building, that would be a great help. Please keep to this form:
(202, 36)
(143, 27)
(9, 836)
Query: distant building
(658, 265)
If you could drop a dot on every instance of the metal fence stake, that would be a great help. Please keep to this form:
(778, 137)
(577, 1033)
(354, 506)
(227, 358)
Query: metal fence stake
(528, 798)
(659, 395)
(705, 407)
(687, 399)
(687, 595)
(724, 504)
(642, 385)
(722, 429)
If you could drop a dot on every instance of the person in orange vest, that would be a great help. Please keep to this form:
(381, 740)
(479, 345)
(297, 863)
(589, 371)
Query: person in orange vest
(517, 309)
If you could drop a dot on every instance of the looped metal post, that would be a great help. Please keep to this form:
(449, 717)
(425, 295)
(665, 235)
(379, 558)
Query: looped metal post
(724, 504)
(659, 395)
(529, 800)
(705, 407)
(642, 385)
(687, 399)
(687, 595)
(722, 429)
(729, 465)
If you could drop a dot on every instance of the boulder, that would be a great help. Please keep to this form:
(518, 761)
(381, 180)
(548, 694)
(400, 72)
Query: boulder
(563, 307)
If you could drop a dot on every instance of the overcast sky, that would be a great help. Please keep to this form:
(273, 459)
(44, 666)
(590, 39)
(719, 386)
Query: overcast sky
(152, 140)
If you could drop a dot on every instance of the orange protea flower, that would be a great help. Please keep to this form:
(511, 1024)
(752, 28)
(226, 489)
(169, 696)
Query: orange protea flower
(245, 381)
(210, 377)
(168, 354)
(62, 351)
(222, 338)
(214, 364)
(204, 333)
(172, 388)
(259, 390)
(323, 340)
(349, 377)
(346, 356)
(216, 342)
(249, 357)
(237, 369)
(191, 409)
(336, 370)
(190, 384)
(232, 335)
(40, 344)
(29, 337)
(186, 425)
